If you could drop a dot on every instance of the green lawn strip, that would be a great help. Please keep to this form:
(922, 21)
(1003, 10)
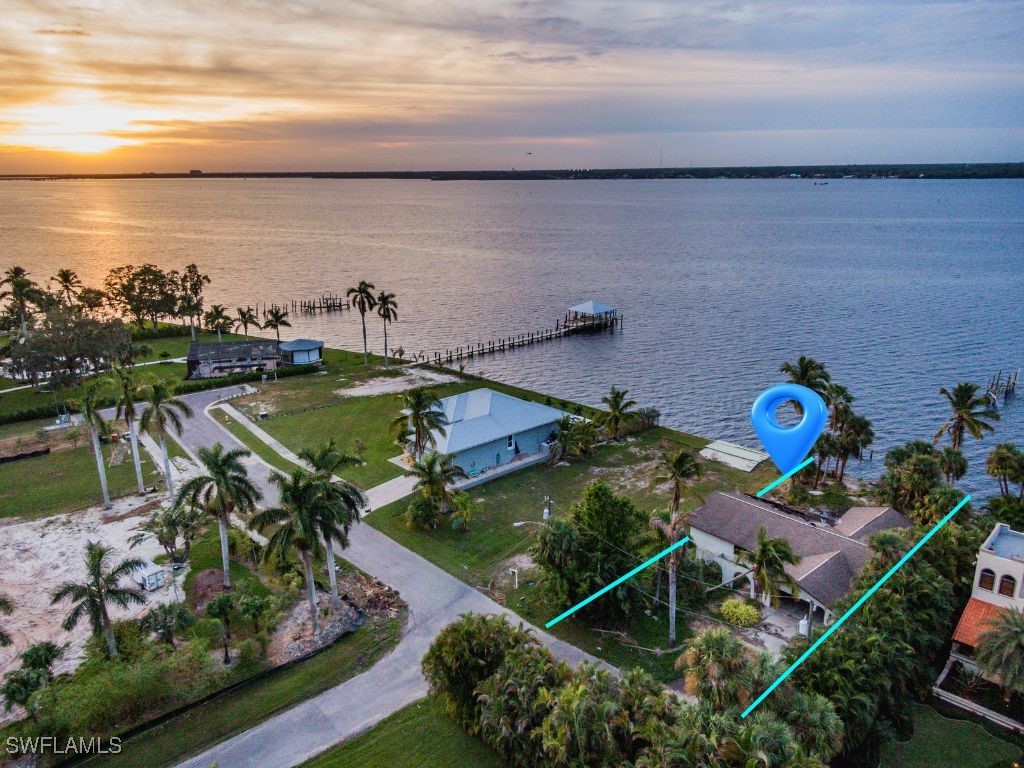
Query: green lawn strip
(64, 482)
(422, 735)
(24, 428)
(940, 741)
(177, 346)
(253, 443)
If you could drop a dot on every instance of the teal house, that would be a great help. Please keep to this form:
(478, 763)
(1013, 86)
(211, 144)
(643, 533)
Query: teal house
(488, 429)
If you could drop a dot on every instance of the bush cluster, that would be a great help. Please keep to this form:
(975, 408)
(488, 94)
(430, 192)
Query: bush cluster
(740, 613)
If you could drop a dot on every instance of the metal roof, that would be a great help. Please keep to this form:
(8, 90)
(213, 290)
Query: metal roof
(232, 350)
(483, 415)
(592, 308)
(301, 345)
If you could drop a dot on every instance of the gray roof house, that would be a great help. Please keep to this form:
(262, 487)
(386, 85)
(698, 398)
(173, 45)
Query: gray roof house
(221, 358)
(832, 555)
(488, 429)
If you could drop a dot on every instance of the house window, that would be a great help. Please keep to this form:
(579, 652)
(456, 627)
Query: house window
(987, 580)
(1007, 586)
(511, 442)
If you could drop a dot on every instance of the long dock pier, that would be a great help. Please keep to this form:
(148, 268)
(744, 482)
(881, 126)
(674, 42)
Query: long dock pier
(571, 324)
(328, 302)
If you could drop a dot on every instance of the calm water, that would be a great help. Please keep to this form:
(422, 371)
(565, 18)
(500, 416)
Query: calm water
(900, 287)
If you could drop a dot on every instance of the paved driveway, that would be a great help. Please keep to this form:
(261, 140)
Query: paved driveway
(435, 599)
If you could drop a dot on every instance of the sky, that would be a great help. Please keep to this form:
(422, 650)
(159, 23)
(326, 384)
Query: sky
(111, 86)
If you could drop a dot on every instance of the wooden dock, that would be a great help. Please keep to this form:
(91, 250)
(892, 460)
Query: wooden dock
(327, 302)
(567, 326)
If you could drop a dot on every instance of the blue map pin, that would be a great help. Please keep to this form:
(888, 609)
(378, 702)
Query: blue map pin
(788, 446)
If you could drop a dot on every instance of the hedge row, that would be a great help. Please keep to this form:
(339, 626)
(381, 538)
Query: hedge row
(162, 331)
(187, 387)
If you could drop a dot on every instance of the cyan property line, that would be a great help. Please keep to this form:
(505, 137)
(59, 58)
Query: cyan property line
(616, 583)
(786, 476)
(853, 609)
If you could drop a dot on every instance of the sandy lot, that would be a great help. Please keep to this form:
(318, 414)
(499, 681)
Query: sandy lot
(385, 385)
(39, 555)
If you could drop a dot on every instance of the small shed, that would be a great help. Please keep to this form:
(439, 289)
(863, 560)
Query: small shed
(149, 577)
(302, 352)
(591, 309)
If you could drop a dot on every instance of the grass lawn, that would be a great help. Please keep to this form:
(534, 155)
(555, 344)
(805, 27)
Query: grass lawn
(64, 482)
(253, 443)
(420, 736)
(939, 742)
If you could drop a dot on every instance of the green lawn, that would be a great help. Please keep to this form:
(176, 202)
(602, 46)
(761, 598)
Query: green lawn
(420, 736)
(64, 482)
(940, 742)
(253, 443)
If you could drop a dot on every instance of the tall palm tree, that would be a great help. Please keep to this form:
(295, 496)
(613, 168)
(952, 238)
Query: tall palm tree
(246, 317)
(826, 447)
(678, 468)
(339, 508)
(839, 400)
(190, 307)
(1000, 650)
(387, 310)
(618, 411)
(815, 724)
(68, 285)
(364, 300)
(22, 291)
(274, 319)
(1006, 464)
(421, 415)
(224, 489)
(435, 473)
(101, 586)
(970, 413)
(328, 458)
(768, 564)
(6, 609)
(717, 669)
(162, 411)
(217, 319)
(127, 398)
(299, 520)
(953, 463)
(856, 435)
(89, 405)
(807, 372)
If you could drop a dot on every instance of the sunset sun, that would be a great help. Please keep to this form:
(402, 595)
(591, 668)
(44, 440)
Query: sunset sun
(78, 122)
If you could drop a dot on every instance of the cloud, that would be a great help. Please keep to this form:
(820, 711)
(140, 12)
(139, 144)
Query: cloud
(68, 31)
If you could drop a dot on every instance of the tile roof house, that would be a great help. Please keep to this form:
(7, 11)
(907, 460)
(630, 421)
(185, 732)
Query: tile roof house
(487, 429)
(832, 555)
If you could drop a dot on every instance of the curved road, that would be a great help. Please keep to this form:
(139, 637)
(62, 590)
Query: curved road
(435, 599)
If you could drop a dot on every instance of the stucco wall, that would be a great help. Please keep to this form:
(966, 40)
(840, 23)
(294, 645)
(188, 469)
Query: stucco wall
(1000, 566)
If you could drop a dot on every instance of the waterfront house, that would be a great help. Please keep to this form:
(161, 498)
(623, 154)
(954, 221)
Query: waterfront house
(302, 352)
(221, 358)
(832, 551)
(488, 429)
(998, 584)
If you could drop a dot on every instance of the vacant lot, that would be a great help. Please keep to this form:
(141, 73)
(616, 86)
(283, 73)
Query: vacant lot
(940, 742)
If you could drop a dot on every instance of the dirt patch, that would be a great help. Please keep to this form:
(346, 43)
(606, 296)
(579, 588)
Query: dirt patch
(294, 635)
(384, 385)
(206, 585)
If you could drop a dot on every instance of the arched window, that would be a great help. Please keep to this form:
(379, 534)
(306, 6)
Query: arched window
(987, 580)
(1007, 586)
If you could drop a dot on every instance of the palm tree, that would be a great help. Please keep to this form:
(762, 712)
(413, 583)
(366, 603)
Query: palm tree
(274, 319)
(101, 586)
(815, 724)
(953, 463)
(127, 399)
(340, 506)
(564, 444)
(839, 400)
(768, 565)
(222, 491)
(328, 458)
(6, 609)
(969, 413)
(807, 372)
(856, 435)
(299, 520)
(364, 300)
(387, 310)
(167, 620)
(190, 307)
(1006, 464)
(220, 608)
(246, 317)
(435, 473)
(618, 405)
(421, 415)
(68, 285)
(717, 669)
(1000, 650)
(89, 405)
(22, 291)
(163, 410)
(585, 437)
(217, 319)
(253, 607)
(677, 468)
(826, 447)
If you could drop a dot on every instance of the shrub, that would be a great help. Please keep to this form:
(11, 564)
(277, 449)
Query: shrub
(466, 653)
(740, 613)
(421, 514)
(835, 498)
